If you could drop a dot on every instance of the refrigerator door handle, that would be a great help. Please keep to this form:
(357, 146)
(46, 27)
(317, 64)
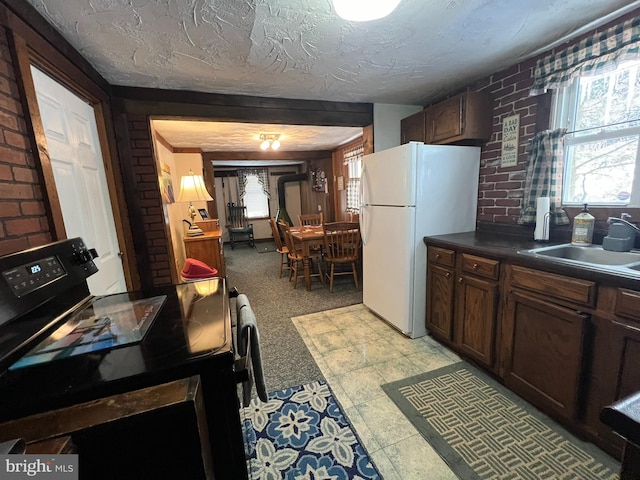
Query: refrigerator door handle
(363, 205)
(363, 221)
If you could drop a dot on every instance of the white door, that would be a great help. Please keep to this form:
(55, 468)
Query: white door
(78, 169)
(388, 263)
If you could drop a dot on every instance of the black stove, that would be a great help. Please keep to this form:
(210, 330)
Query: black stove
(60, 346)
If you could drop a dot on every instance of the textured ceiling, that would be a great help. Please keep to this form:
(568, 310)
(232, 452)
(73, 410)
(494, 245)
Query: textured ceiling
(240, 137)
(300, 49)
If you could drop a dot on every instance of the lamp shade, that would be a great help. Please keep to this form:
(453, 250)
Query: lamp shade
(364, 10)
(192, 189)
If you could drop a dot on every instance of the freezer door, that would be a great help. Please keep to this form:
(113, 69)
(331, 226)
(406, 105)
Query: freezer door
(388, 177)
(388, 263)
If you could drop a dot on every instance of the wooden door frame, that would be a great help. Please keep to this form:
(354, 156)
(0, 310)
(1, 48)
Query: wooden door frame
(28, 48)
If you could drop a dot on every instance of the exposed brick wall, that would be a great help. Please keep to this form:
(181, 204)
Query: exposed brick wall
(501, 189)
(23, 219)
(148, 191)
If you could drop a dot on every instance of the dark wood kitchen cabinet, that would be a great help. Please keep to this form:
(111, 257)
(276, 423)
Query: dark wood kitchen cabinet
(412, 128)
(465, 119)
(440, 292)
(477, 307)
(614, 372)
(462, 302)
(543, 338)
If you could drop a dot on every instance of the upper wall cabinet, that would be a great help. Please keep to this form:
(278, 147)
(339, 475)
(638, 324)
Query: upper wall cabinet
(465, 119)
(413, 128)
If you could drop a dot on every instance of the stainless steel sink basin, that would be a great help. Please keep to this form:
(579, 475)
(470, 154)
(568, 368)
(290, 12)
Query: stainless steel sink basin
(589, 254)
(593, 256)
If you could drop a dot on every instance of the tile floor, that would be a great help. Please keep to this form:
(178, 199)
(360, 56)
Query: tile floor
(357, 352)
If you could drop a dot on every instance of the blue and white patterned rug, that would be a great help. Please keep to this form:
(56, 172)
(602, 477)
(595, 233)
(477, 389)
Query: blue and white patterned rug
(301, 433)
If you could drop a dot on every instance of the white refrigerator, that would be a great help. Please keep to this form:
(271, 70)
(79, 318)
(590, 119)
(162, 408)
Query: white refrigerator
(409, 192)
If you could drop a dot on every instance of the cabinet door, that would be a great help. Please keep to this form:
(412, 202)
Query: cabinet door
(543, 346)
(445, 120)
(440, 298)
(412, 128)
(476, 305)
(614, 373)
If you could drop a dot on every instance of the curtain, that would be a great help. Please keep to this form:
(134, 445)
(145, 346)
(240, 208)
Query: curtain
(594, 55)
(353, 161)
(263, 179)
(544, 176)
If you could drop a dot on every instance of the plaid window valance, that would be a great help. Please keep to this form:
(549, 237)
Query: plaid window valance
(353, 160)
(595, 55)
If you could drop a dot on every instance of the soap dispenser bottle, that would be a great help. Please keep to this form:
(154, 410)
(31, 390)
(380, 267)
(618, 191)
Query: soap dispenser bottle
(583, 227)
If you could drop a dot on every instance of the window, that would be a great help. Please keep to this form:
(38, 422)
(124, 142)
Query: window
(353, 161)
(255, 199)
(602, 117)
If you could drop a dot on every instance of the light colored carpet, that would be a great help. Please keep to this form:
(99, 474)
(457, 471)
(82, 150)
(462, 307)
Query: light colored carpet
(287, 361)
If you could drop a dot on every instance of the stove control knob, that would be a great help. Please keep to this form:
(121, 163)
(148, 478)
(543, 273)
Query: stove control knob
(84, 255)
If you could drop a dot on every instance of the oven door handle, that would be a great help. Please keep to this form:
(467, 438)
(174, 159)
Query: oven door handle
(250, 363)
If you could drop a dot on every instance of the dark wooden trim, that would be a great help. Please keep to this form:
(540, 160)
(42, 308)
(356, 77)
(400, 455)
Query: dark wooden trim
(247, 113)
(268, 155)
(187, 150)
(162, 141)
(33, 121)
(155, 95)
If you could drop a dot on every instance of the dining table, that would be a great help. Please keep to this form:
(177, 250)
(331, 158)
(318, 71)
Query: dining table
(307, 235)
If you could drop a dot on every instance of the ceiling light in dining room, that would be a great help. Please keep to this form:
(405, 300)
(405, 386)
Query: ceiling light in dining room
(364, 10)
(269, 141)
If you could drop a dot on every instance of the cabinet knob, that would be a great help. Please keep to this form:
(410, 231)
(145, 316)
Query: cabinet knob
(437, 256)
(475, 266)
(460, 280)
(447, 275)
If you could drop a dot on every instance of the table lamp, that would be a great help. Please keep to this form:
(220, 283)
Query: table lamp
(192, 189)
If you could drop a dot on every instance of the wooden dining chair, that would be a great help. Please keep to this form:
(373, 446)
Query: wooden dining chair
(310, 219)
(296, 257)
(280, 247)
(342, 250)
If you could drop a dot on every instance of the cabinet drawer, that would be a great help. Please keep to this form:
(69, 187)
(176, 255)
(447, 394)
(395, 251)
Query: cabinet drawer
(628, 304)
(482, 267)
(441, 256)
(554, 286)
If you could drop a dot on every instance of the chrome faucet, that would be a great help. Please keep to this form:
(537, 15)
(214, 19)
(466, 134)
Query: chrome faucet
(623, 220)
(622, 234)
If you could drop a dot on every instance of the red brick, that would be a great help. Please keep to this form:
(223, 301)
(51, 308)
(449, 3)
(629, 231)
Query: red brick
(17, 191)
(16, 140)
(9, 209)
(12, 245)
(508, 185)
(39, 239)
(495, 194)
(25, 175)
(31, 208)
(10, 104)
(10, 155)
(22, 226)
(8, 120)
(5, 172)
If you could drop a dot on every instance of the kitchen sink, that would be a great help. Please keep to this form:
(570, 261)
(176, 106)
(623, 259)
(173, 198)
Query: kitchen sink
(591, 255)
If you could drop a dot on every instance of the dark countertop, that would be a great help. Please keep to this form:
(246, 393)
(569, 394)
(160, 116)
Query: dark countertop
(502, 246)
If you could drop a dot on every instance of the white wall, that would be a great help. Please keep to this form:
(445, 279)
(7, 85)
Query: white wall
(386, 124)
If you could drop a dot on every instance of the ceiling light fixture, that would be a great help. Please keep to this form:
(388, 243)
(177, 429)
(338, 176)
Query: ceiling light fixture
(269, 141)
(364, 10)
